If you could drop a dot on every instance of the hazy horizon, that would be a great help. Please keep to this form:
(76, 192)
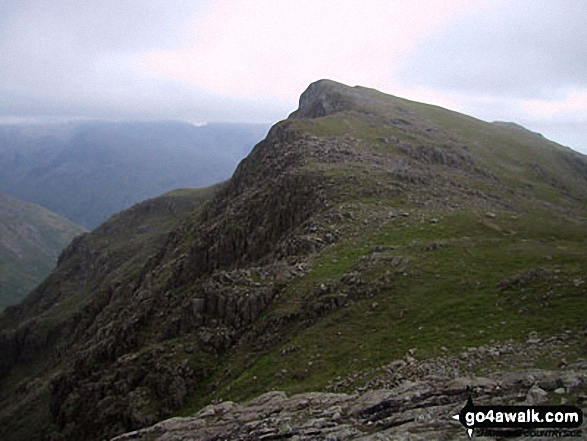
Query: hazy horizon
(230, 61)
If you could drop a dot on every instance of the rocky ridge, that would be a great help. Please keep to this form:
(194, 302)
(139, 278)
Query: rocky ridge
(334, 221)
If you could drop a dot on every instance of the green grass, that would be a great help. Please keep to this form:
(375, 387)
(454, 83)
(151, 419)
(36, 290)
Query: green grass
(448, 297)
(519, 158)
(31, 239)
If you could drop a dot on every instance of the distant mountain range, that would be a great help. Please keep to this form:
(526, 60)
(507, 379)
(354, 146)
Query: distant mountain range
(31, 238)
(87, 171)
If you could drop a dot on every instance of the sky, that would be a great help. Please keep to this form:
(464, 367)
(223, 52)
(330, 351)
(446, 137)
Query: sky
(248, 61)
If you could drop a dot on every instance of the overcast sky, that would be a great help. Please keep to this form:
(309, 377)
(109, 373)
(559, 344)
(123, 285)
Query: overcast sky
(236, 60)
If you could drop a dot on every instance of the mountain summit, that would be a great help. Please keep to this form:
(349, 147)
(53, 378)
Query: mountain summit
(366, 242)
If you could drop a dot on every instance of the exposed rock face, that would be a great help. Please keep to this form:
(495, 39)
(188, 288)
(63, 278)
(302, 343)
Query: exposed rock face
(323, 98)
(250, 222)
(413, 410)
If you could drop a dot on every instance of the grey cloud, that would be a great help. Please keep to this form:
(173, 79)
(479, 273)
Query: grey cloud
(525, 48)
(100, 25)
(144, 99)
(73, 58)
(572, 134)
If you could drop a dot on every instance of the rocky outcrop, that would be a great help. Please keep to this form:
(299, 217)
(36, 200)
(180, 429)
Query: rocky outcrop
(138, 390)
(405, 399)
(323, 98)
(156, 352)
(413, 410)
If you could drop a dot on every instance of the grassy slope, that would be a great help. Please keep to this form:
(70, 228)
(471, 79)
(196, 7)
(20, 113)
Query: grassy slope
(31, 239)
(451, 294)
(447, 297)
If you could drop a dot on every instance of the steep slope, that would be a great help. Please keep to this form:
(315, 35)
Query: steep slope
(88, 276)
(31, 238)
(363, 227)
(87, 171)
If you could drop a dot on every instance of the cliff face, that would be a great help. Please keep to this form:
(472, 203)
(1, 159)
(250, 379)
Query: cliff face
(340, 242)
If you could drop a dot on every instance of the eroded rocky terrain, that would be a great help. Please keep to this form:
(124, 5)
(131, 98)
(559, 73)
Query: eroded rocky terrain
(404, 400)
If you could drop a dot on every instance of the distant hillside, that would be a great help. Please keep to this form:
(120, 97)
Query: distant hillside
(91, 170)
(31, 238)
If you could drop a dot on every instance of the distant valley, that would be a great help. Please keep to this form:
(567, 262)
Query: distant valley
(87, 171)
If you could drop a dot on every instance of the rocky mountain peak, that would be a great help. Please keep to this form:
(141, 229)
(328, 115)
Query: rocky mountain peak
(323, 98)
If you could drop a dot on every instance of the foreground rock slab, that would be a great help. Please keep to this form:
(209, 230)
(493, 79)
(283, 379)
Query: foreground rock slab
(414, 410)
